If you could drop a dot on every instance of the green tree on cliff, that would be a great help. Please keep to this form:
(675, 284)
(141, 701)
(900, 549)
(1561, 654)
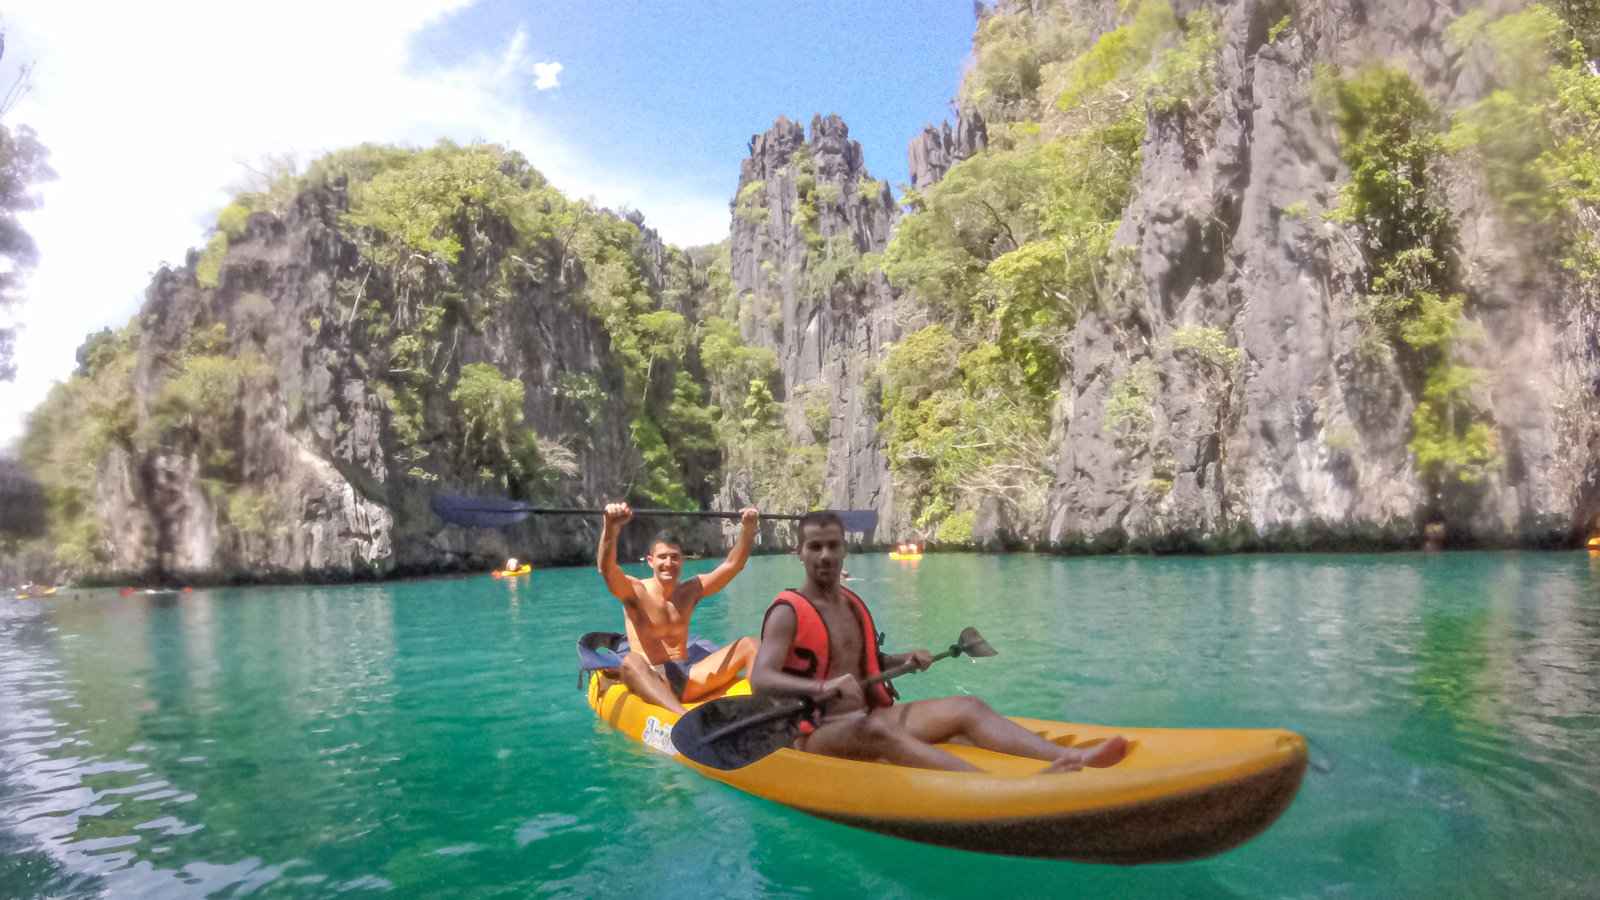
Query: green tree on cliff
(22, 167)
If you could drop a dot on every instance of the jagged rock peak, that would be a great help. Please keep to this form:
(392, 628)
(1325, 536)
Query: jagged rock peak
(935, 150)
(770, 150)
(835, 154)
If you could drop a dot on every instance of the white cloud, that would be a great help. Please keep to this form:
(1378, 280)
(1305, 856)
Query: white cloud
(514, 57)
(546, 75)
(148, 116)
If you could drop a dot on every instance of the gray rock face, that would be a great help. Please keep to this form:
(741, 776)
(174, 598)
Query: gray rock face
(1308, 439)
(314, 432)
(829, 331)
(935, 150)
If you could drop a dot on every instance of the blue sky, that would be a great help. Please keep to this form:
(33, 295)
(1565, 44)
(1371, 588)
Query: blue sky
(154, 112)
(682, 87)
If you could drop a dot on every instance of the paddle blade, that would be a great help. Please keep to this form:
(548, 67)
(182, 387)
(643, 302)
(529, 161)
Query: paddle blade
(862, 520)
(973, 644)
(478, 512)
(734, 732)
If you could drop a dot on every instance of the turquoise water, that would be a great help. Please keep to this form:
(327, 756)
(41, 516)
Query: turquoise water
(426, 738)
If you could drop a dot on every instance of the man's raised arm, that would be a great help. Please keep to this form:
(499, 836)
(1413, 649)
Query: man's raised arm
(617, 581)
(718, 578)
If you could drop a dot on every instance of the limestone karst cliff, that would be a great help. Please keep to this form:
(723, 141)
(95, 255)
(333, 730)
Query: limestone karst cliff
(1178, 275)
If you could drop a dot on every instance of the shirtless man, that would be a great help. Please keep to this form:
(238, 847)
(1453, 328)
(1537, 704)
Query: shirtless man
(820, 643)
(663, 666)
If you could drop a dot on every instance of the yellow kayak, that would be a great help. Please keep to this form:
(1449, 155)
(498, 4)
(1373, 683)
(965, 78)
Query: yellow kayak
(1181, 793)
(519, 571)
(895, 554)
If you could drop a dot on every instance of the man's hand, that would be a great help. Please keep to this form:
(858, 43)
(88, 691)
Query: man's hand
(920, 660)
(843, 694)
(749, 517)
(618, 514)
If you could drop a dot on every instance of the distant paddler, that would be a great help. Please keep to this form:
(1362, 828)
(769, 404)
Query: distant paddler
(513, 569)
(906, 550)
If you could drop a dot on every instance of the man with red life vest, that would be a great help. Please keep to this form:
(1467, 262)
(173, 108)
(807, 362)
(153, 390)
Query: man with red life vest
(820, 643)
(661, 663)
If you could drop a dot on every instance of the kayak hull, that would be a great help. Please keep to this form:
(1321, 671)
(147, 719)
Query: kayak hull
(1170, 829)
(512, 573)
(1180, 794)
(905, 556)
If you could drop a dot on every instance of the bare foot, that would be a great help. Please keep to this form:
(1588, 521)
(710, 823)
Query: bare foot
(1067, 763)
(1107, 753)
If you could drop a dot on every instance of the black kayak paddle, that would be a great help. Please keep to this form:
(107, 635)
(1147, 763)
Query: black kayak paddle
(492, 512)
(734, 732)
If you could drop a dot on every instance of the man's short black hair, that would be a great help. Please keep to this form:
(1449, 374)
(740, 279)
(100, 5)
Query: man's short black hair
(820, 518)
(668, 537)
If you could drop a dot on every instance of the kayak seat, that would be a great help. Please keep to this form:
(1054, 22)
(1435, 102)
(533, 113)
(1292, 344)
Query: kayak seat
(603, 651)
(599, 650)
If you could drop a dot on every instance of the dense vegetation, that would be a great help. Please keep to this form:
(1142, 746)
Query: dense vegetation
(1537, 135)
(1392, 141)
(1015, 243)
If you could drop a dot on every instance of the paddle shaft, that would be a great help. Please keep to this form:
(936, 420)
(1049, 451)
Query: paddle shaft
(494, 512)
(799, 706)
(573, 511)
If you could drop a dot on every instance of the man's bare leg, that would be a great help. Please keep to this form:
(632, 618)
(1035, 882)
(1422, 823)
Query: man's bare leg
(937, 721)
(1106, 753)
(874, 736)
(720, 669)
(644, 682)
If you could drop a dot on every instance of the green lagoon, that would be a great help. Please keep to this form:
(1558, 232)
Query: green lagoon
(425, 738)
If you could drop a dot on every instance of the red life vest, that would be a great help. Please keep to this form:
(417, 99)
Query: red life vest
(808, 653)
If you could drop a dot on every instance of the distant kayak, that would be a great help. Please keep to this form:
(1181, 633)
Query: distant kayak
(895, 554)
(152, 593)
(521, 570)
(1182, 793)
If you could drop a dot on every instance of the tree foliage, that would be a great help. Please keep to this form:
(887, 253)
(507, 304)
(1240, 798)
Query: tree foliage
(1537, 136)
(1128, 413)
(962, 428)
(1389, 136)
(494, 438)
(731, 366)
(68, 436)
(1391, 140)
(1014, 52)
(425, 202)
(1583, 17)
(23, 166)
